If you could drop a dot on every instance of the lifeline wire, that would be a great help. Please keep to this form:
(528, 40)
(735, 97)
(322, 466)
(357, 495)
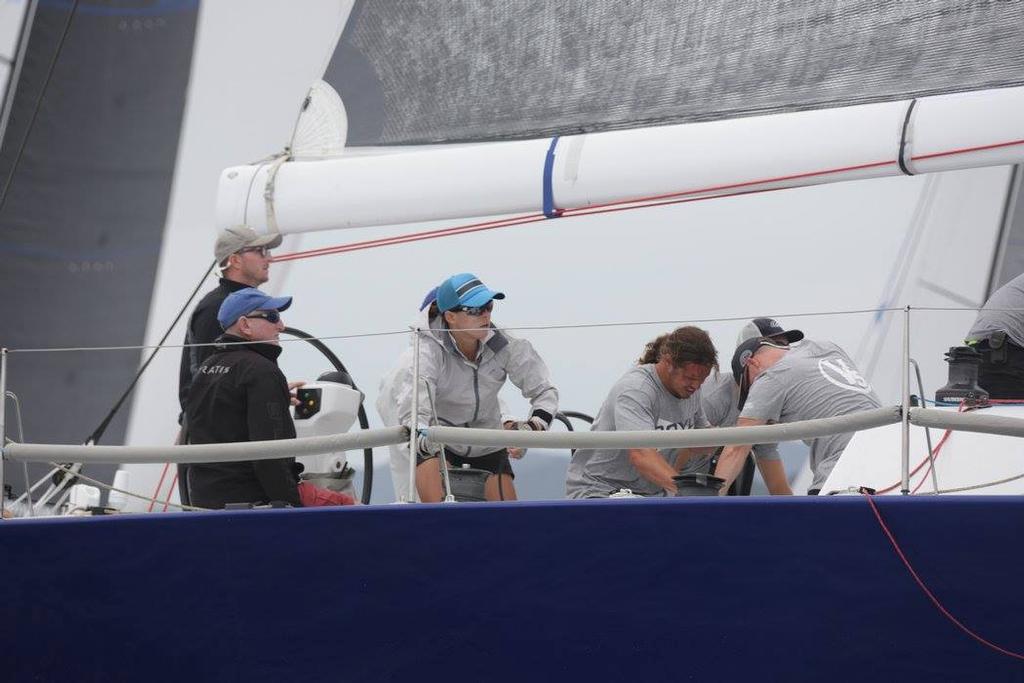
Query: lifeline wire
(109, 487)
(575, 326)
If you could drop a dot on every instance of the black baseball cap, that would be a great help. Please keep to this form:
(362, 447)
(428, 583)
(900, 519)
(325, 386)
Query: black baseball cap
(742, 356)
(767, 327)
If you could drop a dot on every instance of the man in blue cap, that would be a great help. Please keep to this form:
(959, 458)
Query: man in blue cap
(243, 260)
(240, 394)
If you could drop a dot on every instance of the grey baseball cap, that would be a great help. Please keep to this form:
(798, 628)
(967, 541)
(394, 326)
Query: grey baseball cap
(238, 237)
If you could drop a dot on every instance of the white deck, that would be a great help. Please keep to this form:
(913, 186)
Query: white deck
(966, 459)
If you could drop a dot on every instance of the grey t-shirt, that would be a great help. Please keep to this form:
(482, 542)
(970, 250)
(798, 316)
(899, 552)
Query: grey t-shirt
(813, 380)
(991, 319)
(638, 401)
(718, 396)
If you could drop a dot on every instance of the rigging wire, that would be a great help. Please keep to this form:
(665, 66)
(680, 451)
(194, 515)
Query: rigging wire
(109, 487)
(973, 487)
(98, 432)
(75, 469)
(931, 596)
(39, 103)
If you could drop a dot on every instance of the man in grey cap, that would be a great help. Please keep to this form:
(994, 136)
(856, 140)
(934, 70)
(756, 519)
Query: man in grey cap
(243, 257)
(720, 401)
(780, 384)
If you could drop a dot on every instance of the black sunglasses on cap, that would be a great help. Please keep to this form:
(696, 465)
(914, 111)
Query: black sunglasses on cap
(475, 311)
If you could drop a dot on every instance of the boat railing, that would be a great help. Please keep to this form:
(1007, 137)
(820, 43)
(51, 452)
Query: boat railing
(722, 436)
(463, 436)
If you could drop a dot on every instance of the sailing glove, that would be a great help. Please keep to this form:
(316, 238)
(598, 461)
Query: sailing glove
(534, 424)
(425, 450)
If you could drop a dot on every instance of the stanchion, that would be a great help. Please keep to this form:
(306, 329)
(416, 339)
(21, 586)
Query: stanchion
(3, 426)
(905, 406)
(414, 420)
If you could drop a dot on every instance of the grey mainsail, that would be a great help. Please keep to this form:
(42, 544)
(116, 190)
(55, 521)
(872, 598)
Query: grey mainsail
(423, 72)
(84, 215)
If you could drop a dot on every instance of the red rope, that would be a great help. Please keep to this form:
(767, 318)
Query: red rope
(965, 150)
(170, 491)
(931, 460)
(721, 191)
(931, 596)
(928, 459)
(731, 186)
(159, 485)
(414, 237)
(491, 225)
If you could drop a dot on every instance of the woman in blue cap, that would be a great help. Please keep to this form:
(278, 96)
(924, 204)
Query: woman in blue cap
(464, 362)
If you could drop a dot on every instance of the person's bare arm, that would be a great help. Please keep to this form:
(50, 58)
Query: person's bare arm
(730, 462)
(774, 475)
(683, 455)
(652, 467)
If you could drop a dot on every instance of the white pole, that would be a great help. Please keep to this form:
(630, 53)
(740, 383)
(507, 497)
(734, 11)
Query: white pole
(905, 413)
(3, 425)
(414, 424)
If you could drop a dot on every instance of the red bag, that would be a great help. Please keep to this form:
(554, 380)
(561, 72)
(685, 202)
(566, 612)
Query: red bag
(314, 496)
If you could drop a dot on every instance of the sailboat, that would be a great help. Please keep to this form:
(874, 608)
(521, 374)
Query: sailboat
(577, 589)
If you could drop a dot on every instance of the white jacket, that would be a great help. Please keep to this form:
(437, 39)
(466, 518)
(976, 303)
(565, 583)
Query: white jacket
(464, 393)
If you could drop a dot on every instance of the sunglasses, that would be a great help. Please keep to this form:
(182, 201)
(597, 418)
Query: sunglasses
(272, 317)
(262, 251)
(474, 311)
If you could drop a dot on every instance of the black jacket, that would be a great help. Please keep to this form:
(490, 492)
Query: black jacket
(239, 394)
(203, 328)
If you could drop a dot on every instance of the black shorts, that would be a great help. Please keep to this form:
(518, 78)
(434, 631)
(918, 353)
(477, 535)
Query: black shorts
(495, 463)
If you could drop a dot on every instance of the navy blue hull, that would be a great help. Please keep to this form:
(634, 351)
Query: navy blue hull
(688, 589)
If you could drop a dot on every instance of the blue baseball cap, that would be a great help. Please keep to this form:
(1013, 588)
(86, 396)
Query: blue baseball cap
(245, 301)
(429, 298)
(464, 289)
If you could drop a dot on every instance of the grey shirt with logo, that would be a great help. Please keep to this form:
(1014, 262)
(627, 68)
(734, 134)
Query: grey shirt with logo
(638, 401)
(813, 380)
(995, 317)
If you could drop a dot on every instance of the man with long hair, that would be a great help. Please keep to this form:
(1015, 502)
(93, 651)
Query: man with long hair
(660, 392)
